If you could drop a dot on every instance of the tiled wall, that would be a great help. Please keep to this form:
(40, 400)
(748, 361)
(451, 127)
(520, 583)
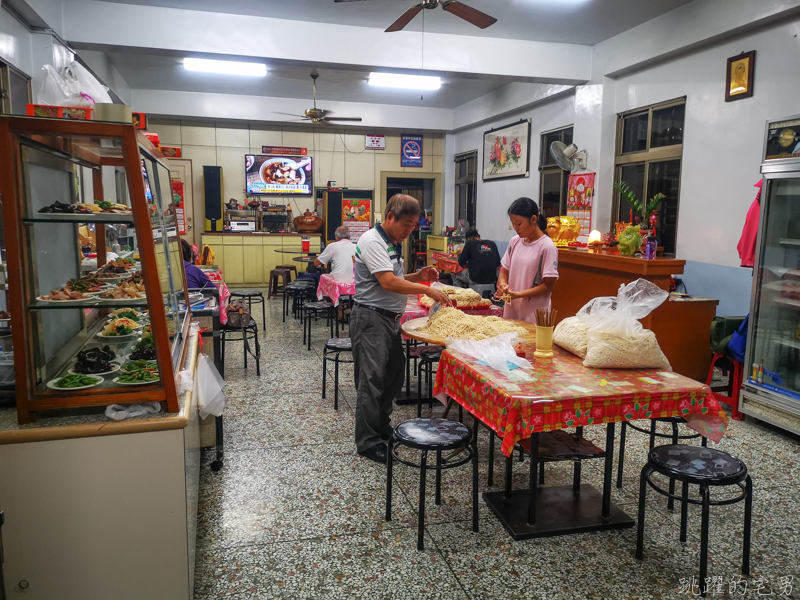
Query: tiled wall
(338, 155)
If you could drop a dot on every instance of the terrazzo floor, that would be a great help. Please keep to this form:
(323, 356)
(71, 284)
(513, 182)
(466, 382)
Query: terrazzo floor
(296, 513)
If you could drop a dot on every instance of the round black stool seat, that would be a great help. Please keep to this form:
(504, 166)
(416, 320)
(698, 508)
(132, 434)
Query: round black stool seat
(698, 465)
(340, 344)
(431, 353)
(246, 293)
(229, 327)
(318, 305)
(432, 434)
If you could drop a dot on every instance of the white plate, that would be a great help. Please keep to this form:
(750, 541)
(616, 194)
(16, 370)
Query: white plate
(111, 372)
(41, 299)
(110, 280)
(117, 300)
(115, 380)
(137, 326)
(51, 384)
(127, 337)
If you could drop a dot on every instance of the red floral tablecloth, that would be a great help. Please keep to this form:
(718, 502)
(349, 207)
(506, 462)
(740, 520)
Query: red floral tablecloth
(561, 392)
(334, 286)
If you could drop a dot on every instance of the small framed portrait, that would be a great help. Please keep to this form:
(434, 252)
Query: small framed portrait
(739, 79)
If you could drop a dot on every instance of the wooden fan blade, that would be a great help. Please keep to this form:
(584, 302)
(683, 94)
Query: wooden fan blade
(469, 14)
(404, 19)
(358, 119)
(289, 115)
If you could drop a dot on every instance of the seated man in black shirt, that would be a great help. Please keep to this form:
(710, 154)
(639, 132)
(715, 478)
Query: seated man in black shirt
(481, 260)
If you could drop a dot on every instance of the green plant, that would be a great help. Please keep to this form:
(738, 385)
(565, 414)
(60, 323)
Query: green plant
(644, 210)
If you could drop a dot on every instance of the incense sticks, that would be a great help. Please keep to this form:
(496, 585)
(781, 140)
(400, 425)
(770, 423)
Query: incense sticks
(546, 317)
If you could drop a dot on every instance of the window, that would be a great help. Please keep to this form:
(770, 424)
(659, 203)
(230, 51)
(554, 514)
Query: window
(15, 90)
(648, 159)
(466, 190)
(553, 181)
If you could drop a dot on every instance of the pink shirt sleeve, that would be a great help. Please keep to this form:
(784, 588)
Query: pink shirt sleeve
(550, 263)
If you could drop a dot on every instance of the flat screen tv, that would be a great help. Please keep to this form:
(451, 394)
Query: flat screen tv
(271, 175)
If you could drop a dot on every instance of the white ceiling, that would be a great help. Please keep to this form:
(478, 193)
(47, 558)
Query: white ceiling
(584, 22)
(160, 72)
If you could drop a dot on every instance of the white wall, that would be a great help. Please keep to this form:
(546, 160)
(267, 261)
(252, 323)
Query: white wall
(15, 43)
(494, 197)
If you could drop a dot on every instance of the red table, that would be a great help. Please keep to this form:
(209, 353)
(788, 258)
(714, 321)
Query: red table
(561, 393)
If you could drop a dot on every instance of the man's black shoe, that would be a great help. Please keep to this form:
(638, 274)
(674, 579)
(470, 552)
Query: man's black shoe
(376, 453)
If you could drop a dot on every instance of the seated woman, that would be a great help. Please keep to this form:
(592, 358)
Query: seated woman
(195, 278)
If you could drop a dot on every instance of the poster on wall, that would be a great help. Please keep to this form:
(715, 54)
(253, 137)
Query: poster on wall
(580, 193)
(411, 151)
(506, 151)
(356, 216)
(177, 198)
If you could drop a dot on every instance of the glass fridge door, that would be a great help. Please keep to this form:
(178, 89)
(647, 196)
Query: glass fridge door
(775, 319)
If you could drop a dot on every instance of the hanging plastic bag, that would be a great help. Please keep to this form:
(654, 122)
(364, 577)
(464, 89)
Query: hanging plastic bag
(88, 83)
(208, 386)
(618, 340)
(497, 351)
(571, 333)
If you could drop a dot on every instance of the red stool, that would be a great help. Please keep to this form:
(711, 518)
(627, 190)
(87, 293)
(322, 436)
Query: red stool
(734, 385)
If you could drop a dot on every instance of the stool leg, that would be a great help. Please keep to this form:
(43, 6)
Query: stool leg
(704, 441)
(244, 335)
(640, 520)
(408, 368)
(438, 498)
(684, 509)
(308, 320)
(490, 477)
(423, 467)
(748, 515)
(541, 473)
(620, 467)
(706, 506)
(389, 461)
(475, 477)
(419, 389)
(576, 469)
(507, 481)
(671, 500)
(336, 382)
(430, 385)
(324, 371)
(258, 355)
(652, 433)
(264, 311)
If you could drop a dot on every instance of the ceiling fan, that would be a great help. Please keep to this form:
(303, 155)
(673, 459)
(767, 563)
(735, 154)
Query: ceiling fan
(319, 115)
(455, 7)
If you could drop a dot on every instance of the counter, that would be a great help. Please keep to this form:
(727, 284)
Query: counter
(248, 258)
(682, 327)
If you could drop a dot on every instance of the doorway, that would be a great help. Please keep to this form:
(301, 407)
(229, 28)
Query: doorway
(181, 169)
(423, 189)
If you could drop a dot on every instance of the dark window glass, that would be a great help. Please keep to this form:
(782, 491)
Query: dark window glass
(562, 135)
(19, 93)
(633, 175)
(551, 193)
(664, 177)
(667, 126)
(634, 133)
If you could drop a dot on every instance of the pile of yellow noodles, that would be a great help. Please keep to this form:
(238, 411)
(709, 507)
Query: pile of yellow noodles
(451, 322)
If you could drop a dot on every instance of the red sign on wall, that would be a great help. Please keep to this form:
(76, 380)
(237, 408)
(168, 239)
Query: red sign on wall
(177, 190)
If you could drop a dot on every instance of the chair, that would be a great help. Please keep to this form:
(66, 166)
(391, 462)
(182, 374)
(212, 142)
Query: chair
(674, 436)
(274, 276)
(420, 254)
(253, 296)
(428, 357)
(250, 332)
(735, 376)
(432, 435)
(315, 310)
(334, 347)
(707, 468)
(292, 268)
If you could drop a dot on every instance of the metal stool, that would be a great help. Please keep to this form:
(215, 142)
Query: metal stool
(250, 332)
(315, 310)
(705, 467)
(291, 268)
(275, 274)
(428, 357)
(432, 435)
(294, 291)
(253, 296)
(334, 346)
(674, 421)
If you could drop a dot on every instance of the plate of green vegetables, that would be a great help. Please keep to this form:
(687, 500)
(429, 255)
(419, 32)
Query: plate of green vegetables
(74, 382)
(137, 377)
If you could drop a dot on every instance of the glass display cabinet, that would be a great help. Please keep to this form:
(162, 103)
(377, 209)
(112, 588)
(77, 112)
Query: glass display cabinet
(90, 328)
(771, 388)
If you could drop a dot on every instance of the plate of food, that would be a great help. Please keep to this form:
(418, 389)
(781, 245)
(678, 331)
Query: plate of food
(137, 365)
(128, 313)
(144, 349)
(75, 382)
(122, 292)
(283, 170)
(64, 295)
(137, 377)
(85, 285)
(95, 361)
(120, 328)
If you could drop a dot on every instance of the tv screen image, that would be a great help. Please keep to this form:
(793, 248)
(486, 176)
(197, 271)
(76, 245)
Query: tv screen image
(272, 175)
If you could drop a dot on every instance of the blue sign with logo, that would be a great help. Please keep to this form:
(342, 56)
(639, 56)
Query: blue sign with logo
(411, 151)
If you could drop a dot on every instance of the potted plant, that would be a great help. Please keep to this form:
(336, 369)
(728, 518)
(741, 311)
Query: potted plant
(645, 211)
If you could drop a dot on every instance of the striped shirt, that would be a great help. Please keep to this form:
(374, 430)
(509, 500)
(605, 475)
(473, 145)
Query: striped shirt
(376, 253)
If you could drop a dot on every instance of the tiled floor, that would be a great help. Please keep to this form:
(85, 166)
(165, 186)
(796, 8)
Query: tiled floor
(296, 513)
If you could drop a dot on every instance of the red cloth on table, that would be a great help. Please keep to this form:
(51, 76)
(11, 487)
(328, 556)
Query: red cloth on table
(747, 243)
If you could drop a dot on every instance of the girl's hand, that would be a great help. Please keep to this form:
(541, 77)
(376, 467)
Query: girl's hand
(502, 288)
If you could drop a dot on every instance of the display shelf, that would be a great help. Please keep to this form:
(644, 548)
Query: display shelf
(115, 218)
(113, 305)
(789, 343)
(788, 303)
(792, 242)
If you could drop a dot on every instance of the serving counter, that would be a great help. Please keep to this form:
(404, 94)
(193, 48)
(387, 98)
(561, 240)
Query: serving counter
(248, 258)
(682, 325)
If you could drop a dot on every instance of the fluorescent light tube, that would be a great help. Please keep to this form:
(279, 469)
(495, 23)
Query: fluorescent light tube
(408, 82)
(226, 67)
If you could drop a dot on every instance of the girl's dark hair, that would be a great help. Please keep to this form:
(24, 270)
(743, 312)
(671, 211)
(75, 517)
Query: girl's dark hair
(524, 207)
(186, 250)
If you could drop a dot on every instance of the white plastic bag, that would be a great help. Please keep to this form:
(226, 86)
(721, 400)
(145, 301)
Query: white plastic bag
(120, 412)
(618, 340)
(208, 385)
(495, 351)
(571, 333)
(58, 90)
(88, 84)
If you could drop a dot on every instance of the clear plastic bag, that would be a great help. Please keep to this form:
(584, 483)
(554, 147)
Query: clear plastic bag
(88, 83)
(571, 333)
(59, 90)
(208, 386)
(618, 340)
(495, 351)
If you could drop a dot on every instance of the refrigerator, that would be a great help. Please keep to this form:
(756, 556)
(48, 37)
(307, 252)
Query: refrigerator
(771, 389)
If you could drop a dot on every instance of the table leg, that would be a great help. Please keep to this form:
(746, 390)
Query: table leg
(607, 471)
(533, 484)
(507, 490)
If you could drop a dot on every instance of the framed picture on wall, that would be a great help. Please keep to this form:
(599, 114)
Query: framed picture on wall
(506, 151)
(740, 76)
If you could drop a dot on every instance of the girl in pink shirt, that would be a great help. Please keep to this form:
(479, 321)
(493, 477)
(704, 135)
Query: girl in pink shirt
(530, 265)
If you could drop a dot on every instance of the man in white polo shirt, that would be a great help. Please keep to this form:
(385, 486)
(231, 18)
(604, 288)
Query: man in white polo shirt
(382, 289)
(340, 253)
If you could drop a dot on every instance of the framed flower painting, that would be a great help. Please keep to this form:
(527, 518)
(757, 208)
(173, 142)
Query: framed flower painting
(506, 151)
